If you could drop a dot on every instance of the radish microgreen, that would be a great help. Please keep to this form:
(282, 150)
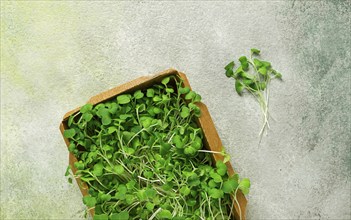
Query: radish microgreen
(142, 157)
(255, 80)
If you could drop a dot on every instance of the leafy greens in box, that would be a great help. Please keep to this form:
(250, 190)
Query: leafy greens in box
(142, 157)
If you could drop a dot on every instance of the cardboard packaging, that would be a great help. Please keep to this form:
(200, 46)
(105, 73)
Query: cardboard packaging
(211, 138)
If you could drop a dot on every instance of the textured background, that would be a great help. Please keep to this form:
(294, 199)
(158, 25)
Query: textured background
(55, 55)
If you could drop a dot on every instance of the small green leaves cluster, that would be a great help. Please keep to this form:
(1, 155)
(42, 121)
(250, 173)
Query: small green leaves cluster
(254, 76)
(142, 157)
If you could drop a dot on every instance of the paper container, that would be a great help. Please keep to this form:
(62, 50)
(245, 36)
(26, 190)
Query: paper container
(211, 139)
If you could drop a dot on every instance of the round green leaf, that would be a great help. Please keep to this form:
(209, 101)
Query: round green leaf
(184, 90)
(86, 108)
(244, 185)
(190, 95)
(69, 133)
(119, 169)
(89, 201)
(138, 94)
(185, 112)
(165, 81)
(255, 51)
(150, 93)
(164, 214)
(123, 99)
(239, 87)
(98, 169)
(87, 116)
(229, 185)
(216, 193)
(184, 190)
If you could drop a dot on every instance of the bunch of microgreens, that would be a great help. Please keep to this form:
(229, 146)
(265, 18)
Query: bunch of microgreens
(142, 157)
(255, 81)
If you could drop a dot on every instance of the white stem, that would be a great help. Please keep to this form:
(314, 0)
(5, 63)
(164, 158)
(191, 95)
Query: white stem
(208, 151)
(154, 215)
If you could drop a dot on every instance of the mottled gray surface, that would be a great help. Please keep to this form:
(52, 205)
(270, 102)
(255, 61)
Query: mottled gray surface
(54, 56)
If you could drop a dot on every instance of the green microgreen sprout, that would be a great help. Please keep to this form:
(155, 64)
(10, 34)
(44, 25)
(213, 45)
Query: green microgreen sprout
(254, 75)
(142, 157)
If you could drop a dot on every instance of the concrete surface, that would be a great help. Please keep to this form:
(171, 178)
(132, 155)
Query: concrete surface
(55, 55)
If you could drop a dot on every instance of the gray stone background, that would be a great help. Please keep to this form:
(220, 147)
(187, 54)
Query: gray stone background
(55, 55)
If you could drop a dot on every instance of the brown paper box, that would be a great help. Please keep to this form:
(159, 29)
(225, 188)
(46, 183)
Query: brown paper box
(211, 138)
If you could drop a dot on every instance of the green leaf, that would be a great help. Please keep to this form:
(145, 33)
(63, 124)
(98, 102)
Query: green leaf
(150, 93)
(165, 81)
(86, 108)
(185, 190)
(247, 82)
(130, 199)
(278, 75)
(221, 168)
(130, 184)
(216, 177)
(185, 112)
(229, 66)
(216, 193)
(150, 193)
(101, 217)
(69, 133)
(129, 150)
(247, 75)
(244, 185)
(138, 94)
(164, 149)
(105, 197)
(148, 174)
(98, 169)
(123, 99)
(157, 98)
(124, 215)
(184, 90)
(230, 185)
(262, 70)
(190, 95)
(146, 121)
(79, 165)
(197, 98)
(238, 72)
(89, 201)
(70, 120)
(229, 73)
(164, 214)
(239, 87)
(150, 206)
(169, 90)
(110, 130)
(255, 51)
(189, 151)
(87, 116)
(266, 64)
(257, 63)
(118, 169)
(106, 120)
(244, 63)
(67, 170)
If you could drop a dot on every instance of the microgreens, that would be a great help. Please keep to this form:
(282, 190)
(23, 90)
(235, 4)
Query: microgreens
(142, 157)
(255, 81)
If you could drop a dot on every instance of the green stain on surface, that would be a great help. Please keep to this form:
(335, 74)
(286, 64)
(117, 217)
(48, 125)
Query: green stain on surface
(320, 42)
